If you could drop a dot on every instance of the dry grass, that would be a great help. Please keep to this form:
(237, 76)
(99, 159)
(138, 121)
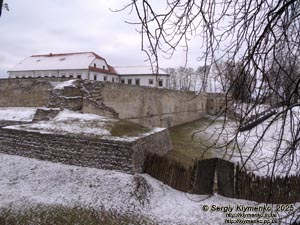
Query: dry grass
(61, 215)
(127, 128)
(185, 149)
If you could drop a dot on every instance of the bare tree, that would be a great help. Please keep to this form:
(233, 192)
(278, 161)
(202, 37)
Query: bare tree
(202, 74)
(235, 82)
(249, 34)
(3, 6)
(284, 79)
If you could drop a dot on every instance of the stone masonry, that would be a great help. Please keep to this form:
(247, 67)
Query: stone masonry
(151, 107)
(125, 156)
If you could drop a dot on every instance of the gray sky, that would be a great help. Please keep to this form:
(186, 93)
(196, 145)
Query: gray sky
(60, 26)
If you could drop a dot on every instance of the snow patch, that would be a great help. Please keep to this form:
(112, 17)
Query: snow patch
(72, 115)
(27, 182)
(263, 154)
(62, 85)
(70, 122)
(17, 113)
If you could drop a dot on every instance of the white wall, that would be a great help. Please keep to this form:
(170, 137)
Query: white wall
(49, 73)
(74, 73)
(100, 77)
(144, 80)
(100, 63)
(86, 74)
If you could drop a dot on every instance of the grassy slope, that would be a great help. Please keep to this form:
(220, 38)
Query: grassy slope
(126, 128)
(61, 215)
(186, 149)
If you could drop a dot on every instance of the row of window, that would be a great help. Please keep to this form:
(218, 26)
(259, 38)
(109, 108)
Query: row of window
(129, 81)
(79, 76)
(105, 78)
(137, 81)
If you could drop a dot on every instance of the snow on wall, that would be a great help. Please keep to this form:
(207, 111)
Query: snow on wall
(17, 114)
(101, 153)
(147, 106)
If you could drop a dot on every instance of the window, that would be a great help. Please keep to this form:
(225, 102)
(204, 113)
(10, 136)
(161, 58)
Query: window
(71, 75)
(137, 82)
(63, 75)
(78, 76)
(103, 67)
(95, 77)
(129, 81)
(113, 79)
(122, 81)
(150, 81)
(105, 78)
(160, 83)
(95, 65)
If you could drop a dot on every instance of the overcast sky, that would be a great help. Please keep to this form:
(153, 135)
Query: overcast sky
(60, 26)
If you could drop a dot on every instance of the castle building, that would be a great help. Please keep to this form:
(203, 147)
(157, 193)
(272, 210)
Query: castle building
(143, 75)
(86, 65)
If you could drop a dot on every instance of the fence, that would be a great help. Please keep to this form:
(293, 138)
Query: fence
(265, 189)
(217, 175)
(169, 172)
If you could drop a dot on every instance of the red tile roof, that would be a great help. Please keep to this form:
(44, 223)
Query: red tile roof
(110, 70)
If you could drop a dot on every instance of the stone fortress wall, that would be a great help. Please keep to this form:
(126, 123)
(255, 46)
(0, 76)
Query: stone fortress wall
(150, 107)
(101, 153)
(147, 106)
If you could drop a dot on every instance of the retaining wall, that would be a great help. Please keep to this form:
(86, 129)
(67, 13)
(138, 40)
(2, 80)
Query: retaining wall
(83, 150)
(152, 107)
(26, 92)
(216, 103)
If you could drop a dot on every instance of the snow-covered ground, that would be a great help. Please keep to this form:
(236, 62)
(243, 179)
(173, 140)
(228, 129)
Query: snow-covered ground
(264, 153)
(27, 182)
(62, 85)
(17, 113)
(249, 109)
(68, 122)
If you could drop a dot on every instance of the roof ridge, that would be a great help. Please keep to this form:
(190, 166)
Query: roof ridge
(65, 54)
(137, 66)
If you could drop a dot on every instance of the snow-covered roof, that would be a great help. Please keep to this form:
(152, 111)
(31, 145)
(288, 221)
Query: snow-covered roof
(80, 60)
(138, 70)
